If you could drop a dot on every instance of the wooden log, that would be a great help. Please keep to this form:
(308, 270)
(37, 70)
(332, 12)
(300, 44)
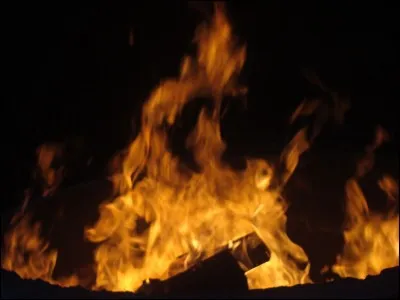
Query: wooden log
(219, 273)
(249, 251)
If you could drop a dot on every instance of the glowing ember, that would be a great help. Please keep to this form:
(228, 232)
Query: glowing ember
(194, 213)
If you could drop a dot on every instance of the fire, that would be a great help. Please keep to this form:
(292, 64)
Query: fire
(29, 255)
(186, 211)
(371, 240)
(165, 210)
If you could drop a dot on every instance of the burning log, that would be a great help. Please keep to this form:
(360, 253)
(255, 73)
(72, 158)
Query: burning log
(223, 271)
(220, 273)
(249, 251)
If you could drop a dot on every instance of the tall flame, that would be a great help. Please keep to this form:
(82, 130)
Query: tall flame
(186, 211)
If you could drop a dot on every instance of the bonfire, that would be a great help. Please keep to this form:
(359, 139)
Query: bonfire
(166, 215)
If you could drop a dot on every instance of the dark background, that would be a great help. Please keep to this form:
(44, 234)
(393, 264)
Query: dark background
(73, 77)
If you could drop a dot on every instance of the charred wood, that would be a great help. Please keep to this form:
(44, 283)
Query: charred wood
(249, 251)
(220, 273)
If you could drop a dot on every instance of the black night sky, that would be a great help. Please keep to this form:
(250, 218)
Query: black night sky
(73, 77)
